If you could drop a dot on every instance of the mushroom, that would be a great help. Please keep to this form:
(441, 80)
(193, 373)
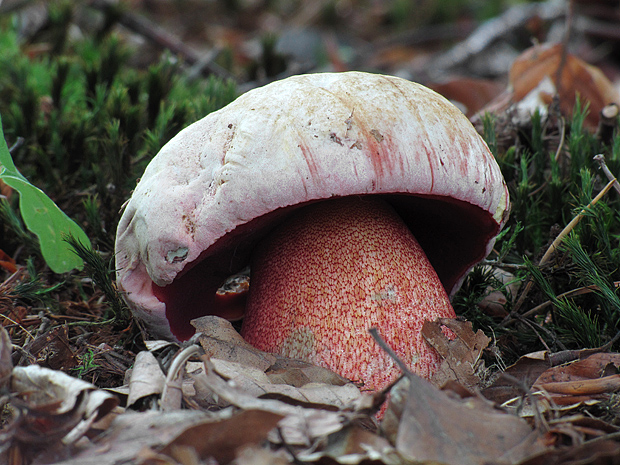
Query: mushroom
(359, 199)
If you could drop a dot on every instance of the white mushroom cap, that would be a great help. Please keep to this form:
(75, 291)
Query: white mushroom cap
(226, 177)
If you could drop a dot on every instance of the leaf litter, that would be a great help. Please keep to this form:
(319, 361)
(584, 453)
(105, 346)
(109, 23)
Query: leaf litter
(232, 408)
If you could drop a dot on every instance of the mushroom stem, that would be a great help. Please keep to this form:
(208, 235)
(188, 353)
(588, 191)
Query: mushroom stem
(335, 269)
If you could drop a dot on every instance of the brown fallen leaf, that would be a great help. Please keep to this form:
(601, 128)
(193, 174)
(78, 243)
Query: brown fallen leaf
(590, 378)
(255, 382)
(51, 408)
(543, 71)
(354, 445)
(266, 375)
(146, 382)
(466, 431)
(526, 371)
(599, 452)
(300, 427)
(468, 93)
(220, 340)
(299, 373)
(131, 434)
(460, 355)
(494, 302)
(222, 440)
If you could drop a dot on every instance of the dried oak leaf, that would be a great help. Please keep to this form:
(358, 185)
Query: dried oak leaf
(436, 426)
(592, 378)
(132, 435)
(470, 94)
(220, 340)
(51, 409)
(526, 370)
(354, 445)
(545, 70)
(256, 383)
(460, 355)
(146, 381)
(301, 426)
(577, 77)
(222, 440)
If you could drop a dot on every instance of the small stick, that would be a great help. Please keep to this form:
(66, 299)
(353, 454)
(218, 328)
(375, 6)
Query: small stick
(177, 365)
(607, 123)
(162, 38)
(562, 123)
(600, 159)
(375, 334)
(564, 295)
(569, 227)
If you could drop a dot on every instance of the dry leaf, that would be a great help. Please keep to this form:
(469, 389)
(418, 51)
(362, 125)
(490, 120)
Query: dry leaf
(146, 381)
(526, 370)
(494, 302)
(300, 425)
(220, 340)
(460, 355)
(469, 94)
(223, 439)
(576, 382)
(354, 445)
(132, 434)
(299, 373)
(577, 77)
(437, 427)
(52, 408)
(534, 81)
(601, 452)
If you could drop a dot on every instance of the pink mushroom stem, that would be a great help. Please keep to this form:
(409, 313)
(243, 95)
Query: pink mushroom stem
(332, 271)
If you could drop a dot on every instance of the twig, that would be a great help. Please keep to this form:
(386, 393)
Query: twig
(162, 38)
(177, 364)
(558, 152)
(496, 28)
(18, 143)
(564, 295)
(558, 240)
(600, 159)
(6, 317)
(375, 335)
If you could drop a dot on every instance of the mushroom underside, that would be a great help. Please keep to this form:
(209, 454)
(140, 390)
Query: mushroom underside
(453, 234)
(330, 272)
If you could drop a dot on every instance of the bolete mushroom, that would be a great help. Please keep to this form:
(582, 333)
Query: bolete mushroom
(360, 200)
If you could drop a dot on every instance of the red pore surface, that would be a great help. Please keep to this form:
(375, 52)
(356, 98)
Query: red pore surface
(335, 269)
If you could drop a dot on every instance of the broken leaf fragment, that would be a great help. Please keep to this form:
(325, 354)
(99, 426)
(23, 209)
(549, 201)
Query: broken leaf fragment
(461, 355)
